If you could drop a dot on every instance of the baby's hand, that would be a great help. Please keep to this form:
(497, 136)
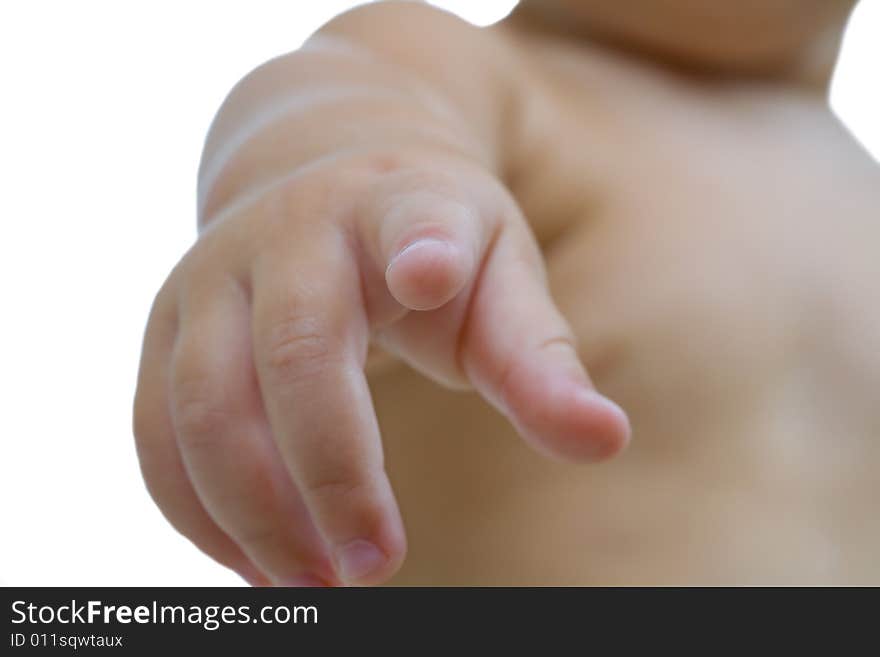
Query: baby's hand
(254, 424)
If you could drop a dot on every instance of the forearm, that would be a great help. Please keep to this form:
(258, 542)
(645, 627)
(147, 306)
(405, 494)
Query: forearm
(354, 87)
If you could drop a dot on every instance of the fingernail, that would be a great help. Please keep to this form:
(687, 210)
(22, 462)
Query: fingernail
(597, 397)
(302, 582)
(419, 244)
(358, 559)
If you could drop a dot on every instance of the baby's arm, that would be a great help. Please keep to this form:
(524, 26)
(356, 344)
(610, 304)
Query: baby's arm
(348, 192)
(378, 78)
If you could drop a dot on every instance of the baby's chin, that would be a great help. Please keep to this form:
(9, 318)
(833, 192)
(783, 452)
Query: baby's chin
(747, 36)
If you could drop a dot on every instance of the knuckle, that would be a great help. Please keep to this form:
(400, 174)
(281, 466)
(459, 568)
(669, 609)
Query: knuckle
(256, 534)
(334, 488)
(297, 348)
(200, 413)
(350, 495)
(511, 376)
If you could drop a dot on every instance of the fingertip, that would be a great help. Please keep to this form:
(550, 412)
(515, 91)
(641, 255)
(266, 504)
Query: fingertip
(427, 273)
(549, 398)
(604, 422)
(372, 558)
(362, 563)
(571, 422)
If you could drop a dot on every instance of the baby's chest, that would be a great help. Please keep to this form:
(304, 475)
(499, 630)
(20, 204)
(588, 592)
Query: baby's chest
(723, 262)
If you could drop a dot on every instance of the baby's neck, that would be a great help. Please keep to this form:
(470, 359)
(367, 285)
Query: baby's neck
(810, 69)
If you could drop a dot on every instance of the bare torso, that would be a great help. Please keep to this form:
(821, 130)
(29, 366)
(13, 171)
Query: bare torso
(718, 254)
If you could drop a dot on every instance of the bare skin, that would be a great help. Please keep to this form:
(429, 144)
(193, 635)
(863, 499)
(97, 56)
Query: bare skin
(692, 227)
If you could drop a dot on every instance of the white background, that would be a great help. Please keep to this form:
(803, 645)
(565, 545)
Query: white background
(103, 108)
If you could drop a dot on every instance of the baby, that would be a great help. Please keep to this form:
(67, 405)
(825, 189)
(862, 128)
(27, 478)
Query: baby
(426, 248)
